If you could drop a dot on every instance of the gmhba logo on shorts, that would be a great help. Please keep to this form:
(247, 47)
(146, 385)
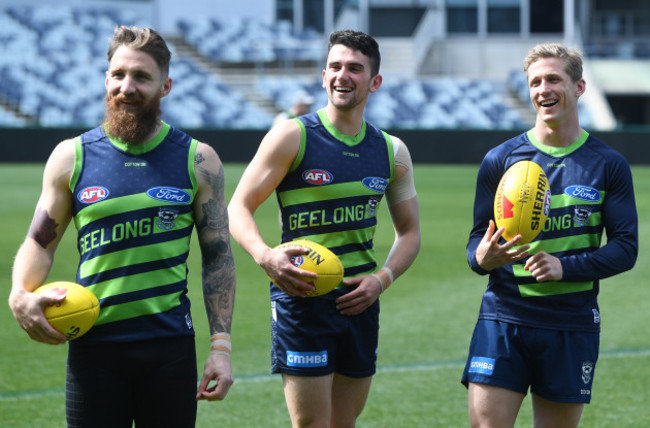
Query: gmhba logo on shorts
(482, 365)
(306, 359)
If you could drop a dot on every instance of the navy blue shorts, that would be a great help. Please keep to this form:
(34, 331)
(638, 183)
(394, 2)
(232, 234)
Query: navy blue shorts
(151, 382)
(557, 365)
(311, 338)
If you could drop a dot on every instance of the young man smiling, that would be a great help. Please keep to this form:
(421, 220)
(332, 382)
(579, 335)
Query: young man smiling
(539, 322)
(325, 347)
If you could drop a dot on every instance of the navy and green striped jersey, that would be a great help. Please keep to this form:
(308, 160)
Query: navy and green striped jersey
(332, 191)
(133, 213)
(592, 196)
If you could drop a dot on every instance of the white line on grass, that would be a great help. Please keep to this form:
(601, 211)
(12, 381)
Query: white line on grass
(255, 378)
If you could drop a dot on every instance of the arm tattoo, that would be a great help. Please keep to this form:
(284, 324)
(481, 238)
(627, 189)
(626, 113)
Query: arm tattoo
(219, 284)
(198, 158)
(214, 216)
(218, 265)
(43, 228)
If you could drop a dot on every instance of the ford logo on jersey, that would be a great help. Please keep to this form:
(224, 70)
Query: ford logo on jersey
(584, 193)
(93, 194)
(317, 177)
(376, 184)
(169, 194)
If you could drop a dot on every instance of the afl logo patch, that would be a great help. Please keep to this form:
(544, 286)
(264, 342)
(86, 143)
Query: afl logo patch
(93, 194)
(547, 202)
(297, 261)
(317, 177)
(169, 194)
(376, 184)
(584, 193)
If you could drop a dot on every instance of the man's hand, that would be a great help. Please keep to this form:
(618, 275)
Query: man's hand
(290, 279)
(544, 267)
(217, 368)
(491, 255)
(28, 311)
(358, 300)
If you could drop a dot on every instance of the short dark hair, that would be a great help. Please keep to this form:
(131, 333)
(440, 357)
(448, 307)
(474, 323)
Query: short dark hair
(360, 42)
(142, 39)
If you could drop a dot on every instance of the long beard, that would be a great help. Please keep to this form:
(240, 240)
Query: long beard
(131, 127)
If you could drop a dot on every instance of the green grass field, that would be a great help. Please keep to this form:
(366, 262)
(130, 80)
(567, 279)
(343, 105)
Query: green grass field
(426, 321)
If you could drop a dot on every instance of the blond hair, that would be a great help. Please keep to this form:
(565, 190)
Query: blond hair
(572, 58)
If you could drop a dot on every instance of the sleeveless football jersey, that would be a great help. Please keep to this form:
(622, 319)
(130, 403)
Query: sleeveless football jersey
(133, 213)
(592, 192)
(332, 191)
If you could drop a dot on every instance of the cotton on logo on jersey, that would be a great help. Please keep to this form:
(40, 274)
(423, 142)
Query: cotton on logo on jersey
(92, 194)
(317, 177)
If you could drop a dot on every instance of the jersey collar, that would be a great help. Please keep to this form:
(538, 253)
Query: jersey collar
(350, 140)
(557, 151)
(138, 149)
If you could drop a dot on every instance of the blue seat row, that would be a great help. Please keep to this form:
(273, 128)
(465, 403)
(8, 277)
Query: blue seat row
(247, 40)
(415, 104)
(54, 59)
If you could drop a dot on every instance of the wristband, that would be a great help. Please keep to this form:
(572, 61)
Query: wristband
(220, 344)
(389, 271)
(381, 281)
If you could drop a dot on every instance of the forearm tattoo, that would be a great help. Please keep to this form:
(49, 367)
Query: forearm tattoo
(215, 216)
(43, 228)
(218, 270)
(219, 285)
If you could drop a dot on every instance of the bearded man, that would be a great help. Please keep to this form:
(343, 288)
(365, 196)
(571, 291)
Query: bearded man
(153, 184)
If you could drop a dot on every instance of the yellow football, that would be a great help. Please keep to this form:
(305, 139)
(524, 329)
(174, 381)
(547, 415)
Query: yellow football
(522, 201)
(75, 314)
(320, 260)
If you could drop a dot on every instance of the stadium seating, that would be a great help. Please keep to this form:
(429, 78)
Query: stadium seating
(54, 59)
(200, 100)
(415, 104)
(247, 40)
(53, 68)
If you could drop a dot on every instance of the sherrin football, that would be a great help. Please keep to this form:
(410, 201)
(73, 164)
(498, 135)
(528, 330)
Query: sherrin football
(75, 314)
(522, 201)
(320, 260)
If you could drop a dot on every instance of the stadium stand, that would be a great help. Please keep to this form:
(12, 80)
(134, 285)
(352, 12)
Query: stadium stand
(200, 100)
(53, 68)
(250, 41)
(416, 103)
(54, 62)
